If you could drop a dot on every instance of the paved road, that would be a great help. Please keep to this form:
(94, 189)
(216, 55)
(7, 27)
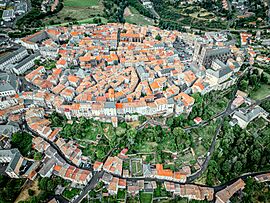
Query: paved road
(228, 111)
(27, 129)
(90, 186)
(243, 177)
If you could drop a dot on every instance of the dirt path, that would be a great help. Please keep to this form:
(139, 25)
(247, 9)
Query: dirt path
(23, 196)
(127, 12)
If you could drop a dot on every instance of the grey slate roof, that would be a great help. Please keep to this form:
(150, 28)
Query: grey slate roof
(12, 165)
(11, 54)
(15, 156)
(26, 60)
(8, 13)
(48, 165)
(217, 51)
(219, 73)
(10, 79)
(8, 130)
(110, 105)
(249, 115)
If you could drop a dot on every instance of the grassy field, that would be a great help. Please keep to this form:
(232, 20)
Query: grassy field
(136, 168)
(24, 193)
(83, 11)
(70, 193)
(261, 93)
(146, 197)
(134, 17)
(80, 3)
(121, 194)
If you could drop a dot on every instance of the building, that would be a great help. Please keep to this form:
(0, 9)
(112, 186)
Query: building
(26, 64)
(142, 73)
(12, 57)
(224, 195)
(244, 116)
(113, 165)
(6, 132)
(14, 160)
(8, 15)
(21, 8)
(263, 178)
(218, 73)
(9, 84)
(204, 55)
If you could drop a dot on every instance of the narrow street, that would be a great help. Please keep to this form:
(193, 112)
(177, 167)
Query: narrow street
(227, 112)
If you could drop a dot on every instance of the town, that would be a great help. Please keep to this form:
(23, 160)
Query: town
(114, 74)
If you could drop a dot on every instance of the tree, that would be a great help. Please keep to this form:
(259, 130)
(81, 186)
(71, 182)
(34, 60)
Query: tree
(244, 85)
(226, 166)
(238, 166)
(256, 156)
(264, 79)
(179, 132)
(170, 121)
(38, 156)
(158, 37)
(22, 141)
(42, 184)
(31, 192)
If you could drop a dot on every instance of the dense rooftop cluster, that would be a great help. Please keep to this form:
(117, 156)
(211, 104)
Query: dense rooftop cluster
(110, 72)
(107, 71)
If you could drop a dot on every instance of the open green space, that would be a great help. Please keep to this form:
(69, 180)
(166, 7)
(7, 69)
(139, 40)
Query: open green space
(70, 193)
(134, 17)
(83, 11)
(256, 84)
(237, 152)
(160, 191)
(10, 188)
(175, 16)
(121, 194)
(261, 93)
(137, 169)
(146, 197)
(80, 3)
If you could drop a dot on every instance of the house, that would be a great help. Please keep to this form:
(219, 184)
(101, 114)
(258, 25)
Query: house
(113, 165)
(244, 116)
(198, 120)
(47, 167)
(224, 195)
(167, 174)
(142, 73)
(8, 15)
(12, 57)
(26, 64)
(113, 186)
(218, 73)
(195, 192)
(21, 8)
(6, 89)
(263, 177)
(14, 159)
(6, 132)
(97, 166)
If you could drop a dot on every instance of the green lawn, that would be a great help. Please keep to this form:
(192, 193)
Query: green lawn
(83, 11)
(136, 168)
(261, 93)
(70, 193)
(80, 3)
(121, 194)
(136, 18)
(146, 197)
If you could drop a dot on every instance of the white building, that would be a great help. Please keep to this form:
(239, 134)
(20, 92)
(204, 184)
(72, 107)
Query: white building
(8, 15)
